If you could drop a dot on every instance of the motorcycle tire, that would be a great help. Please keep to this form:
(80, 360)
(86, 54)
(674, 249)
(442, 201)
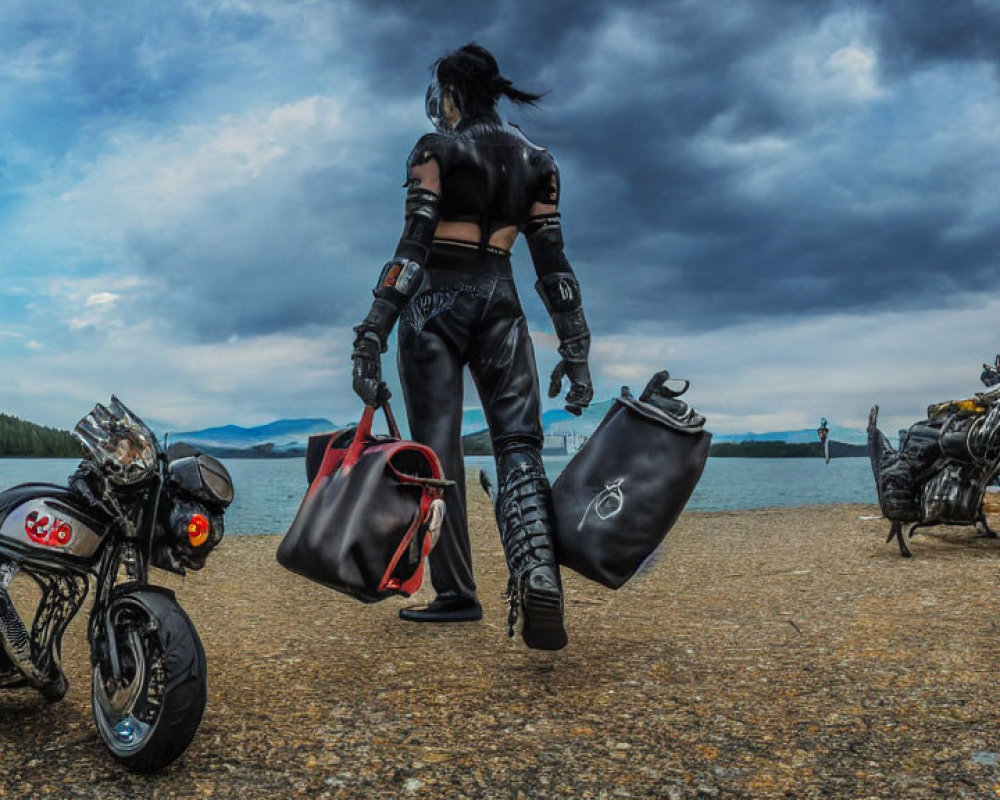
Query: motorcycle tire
(56, 690)
(150, 715)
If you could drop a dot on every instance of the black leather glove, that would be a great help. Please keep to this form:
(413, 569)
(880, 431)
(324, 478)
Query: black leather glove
(367, 358)
(560, 292)
(574, 347)
(581, 391)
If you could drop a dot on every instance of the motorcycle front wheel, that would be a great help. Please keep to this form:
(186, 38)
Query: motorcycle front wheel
(149, 712)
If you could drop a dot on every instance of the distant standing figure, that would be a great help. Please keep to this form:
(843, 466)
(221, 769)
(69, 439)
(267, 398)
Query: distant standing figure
(823, 431)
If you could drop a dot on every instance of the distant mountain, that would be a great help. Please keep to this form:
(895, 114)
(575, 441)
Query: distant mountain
(285, 437)
(282, 434)
(561, 421)
(554, 421)
(473, 420)
(556, 415)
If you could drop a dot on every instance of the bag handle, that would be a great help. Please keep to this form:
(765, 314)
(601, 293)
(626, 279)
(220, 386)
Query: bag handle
(364, 432)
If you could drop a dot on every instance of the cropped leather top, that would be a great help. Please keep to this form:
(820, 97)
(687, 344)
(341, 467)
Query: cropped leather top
(491, 173)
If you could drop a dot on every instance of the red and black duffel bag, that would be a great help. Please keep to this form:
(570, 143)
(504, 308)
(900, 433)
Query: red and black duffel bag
(371, 515)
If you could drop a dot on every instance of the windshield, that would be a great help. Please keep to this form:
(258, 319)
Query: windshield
(118, 441)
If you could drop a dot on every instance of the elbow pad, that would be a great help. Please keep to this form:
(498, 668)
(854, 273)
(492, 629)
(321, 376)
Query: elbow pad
(545, 242)
(423, 210)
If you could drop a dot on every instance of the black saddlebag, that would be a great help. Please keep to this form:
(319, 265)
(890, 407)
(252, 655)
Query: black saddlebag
(625, 488)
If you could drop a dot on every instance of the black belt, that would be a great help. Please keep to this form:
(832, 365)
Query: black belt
(468, 259)
(494, 251)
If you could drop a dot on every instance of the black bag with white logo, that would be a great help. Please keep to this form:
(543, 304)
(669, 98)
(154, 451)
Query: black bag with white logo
(625, 488)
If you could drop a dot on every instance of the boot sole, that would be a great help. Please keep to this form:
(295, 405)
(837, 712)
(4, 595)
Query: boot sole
(473, 614)
(542, 615)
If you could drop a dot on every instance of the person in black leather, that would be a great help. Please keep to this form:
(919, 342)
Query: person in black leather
(472, 186)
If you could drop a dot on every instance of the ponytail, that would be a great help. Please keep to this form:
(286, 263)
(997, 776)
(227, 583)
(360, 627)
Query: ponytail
(504, 87)
(474, 74)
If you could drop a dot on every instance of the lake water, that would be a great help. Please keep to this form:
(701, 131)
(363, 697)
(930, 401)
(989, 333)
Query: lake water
(268, 491)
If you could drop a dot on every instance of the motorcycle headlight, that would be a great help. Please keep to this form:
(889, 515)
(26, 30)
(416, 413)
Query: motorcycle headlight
(203, 477)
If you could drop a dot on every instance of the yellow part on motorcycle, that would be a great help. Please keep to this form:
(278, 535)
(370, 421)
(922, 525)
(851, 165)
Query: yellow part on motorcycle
(970, 405)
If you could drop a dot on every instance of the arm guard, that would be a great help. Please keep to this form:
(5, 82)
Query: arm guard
(561, 294)
(399, 281)
(558, 287)
(423, 210)
(545, 242)
(402, 275)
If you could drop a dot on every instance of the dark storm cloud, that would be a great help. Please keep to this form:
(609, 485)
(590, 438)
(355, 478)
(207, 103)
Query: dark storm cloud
(249, 276)
(800, 252)
(719, 162)
(100, 61)
(218, 183)
(845, 232)
(966, 30)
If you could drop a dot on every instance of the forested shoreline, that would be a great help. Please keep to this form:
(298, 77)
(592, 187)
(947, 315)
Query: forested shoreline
(20, 438)
(478, 444)
(769, 449)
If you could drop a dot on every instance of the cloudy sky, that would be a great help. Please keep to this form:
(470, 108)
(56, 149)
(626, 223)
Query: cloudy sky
(794, 205)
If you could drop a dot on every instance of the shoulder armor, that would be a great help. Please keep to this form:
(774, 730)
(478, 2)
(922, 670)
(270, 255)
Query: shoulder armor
(547, 188)
(428, 146)
(542, 168)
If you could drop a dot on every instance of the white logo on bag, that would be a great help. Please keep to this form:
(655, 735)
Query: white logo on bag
(607, 503)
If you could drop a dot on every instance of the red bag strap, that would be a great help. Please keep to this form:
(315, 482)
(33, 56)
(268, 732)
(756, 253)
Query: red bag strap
(411, 584)
(364, 433)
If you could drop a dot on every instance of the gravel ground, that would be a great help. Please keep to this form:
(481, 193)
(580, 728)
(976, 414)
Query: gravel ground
(764, 654)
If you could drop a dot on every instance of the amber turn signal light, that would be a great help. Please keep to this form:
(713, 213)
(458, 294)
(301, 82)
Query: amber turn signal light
(198, 530)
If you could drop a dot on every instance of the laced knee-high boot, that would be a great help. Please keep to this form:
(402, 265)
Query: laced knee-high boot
(523, 511)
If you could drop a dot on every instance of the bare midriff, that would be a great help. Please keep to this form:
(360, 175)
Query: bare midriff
(469, 232)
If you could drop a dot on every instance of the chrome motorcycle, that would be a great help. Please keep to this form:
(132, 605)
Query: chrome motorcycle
(130, 505)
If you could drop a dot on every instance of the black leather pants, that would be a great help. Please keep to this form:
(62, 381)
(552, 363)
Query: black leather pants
(469, 315)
